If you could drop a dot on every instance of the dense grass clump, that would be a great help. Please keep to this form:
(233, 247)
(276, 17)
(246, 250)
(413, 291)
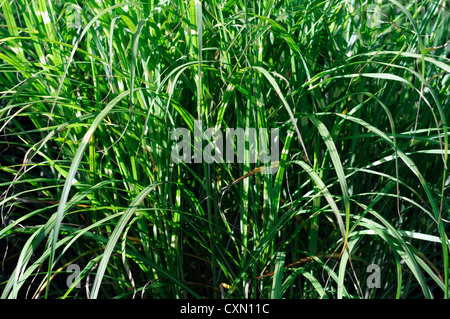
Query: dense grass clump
(92, 204)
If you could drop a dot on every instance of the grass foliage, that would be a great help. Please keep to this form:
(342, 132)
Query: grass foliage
(90, 92)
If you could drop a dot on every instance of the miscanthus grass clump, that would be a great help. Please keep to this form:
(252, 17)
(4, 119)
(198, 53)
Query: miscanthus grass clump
(92, 204)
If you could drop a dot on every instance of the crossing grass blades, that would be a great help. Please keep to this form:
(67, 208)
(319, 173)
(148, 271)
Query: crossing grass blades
(92, 205)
